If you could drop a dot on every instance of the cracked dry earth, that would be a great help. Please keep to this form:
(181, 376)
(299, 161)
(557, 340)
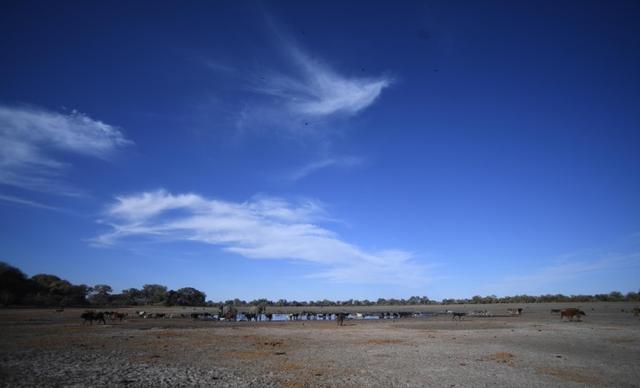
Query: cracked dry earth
(44, 348)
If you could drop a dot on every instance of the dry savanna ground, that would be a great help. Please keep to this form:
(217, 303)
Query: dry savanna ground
(42, 347)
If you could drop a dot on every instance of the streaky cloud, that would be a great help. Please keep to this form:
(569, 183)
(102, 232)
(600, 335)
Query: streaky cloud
(309, 95)
(261, 228)
(32, 141)
(26, 202)
(310, 168)
(316, 90)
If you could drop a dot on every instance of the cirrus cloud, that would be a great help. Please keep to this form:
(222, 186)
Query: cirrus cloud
(33, 141)
(262, 228)
(307, 95)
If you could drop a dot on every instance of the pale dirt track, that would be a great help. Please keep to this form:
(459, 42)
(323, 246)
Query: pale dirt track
(45, 348)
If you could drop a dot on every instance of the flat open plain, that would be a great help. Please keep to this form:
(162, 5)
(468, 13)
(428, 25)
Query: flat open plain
(42, 347)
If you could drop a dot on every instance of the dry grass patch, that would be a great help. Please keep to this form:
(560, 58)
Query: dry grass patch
(268, 345)
(621, 340)
(290, 367)
(384, 341)
(292, 384)
(245, 355)
(167, 334)
(568, 375)
(501, 358)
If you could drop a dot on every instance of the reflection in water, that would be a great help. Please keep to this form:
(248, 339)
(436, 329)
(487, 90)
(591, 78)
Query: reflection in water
(325, 317)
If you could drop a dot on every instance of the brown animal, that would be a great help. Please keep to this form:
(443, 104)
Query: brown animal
(119, 316)
(570, 313)
(90, 316)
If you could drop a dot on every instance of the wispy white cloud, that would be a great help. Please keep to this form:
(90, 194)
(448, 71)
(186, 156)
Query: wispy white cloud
(310, 168)
(26, 202)
(316, 90)
(33, 140)
(263, 228)
(308, 95)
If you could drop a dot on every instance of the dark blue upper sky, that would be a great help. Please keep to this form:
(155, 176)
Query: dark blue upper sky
(315, 149)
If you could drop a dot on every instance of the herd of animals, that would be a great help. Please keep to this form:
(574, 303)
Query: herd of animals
(228, 313)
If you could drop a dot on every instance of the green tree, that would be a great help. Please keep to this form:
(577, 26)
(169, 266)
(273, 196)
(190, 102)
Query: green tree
(189, 296)
(154, 293)
(100, 294)
(14, 284)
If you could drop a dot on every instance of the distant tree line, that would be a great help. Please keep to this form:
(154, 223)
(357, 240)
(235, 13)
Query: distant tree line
(614, 296)
(49, 290)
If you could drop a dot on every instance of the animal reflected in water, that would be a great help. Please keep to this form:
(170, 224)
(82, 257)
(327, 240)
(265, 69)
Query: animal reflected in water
(570, 313)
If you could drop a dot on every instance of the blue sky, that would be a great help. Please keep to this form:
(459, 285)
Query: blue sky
(321, 150)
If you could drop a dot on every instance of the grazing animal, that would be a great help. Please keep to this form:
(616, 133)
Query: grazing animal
(90, 316)
(459, 315)
(340, 318)
(636, 311)
(99, 316)
(87, 316)
(555, 311)
(570, 313)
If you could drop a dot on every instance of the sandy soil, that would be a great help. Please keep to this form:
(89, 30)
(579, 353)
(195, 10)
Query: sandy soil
(46, 348)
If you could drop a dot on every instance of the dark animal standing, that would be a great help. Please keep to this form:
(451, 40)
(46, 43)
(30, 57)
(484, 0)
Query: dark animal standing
(255, 313)
(459, 315)
(340, 318)
(570, 313)
(90, 316)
